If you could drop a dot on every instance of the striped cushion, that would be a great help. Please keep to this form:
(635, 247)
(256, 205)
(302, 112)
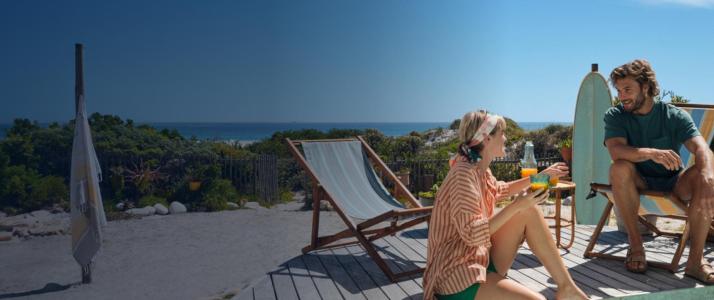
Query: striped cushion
(704, 119)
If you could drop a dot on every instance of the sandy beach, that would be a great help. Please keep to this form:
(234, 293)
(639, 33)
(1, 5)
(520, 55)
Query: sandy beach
(185, 256)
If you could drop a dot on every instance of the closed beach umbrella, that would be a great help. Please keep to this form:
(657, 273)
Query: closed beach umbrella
(87, 210)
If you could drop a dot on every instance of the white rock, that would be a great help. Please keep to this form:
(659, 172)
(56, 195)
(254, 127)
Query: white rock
(141, 211)
(120, 206)
(177, 208)
(150, 209)
(233, 205)
(161, 209)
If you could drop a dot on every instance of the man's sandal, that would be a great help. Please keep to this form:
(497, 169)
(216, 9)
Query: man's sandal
(634, 257)
(705, 274)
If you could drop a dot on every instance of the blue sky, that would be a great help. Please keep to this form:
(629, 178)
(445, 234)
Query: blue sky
(339, 61)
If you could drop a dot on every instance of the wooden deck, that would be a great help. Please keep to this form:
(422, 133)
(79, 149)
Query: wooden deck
(349, 273)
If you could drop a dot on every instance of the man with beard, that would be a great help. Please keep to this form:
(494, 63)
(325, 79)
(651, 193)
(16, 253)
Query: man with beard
(643, 137)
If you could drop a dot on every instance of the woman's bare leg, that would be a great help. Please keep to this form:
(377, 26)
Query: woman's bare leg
(498, 287)
(531, 225)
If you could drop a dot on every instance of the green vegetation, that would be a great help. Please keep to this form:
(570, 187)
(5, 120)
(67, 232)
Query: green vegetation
(145, 166)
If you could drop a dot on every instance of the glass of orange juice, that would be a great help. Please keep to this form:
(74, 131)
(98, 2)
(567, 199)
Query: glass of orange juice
(554, 181)
(539, 181)
(525, 172)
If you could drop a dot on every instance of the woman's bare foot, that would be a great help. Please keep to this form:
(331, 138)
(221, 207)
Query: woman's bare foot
(570, 292)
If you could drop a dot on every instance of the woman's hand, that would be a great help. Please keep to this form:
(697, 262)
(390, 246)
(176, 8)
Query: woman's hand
(531, 198)
(556, 170)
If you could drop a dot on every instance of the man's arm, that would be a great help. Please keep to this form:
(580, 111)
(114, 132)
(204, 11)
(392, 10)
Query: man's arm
(619, 149)
(703, 155)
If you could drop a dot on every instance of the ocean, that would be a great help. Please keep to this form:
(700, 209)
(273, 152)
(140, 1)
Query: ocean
(246, 132)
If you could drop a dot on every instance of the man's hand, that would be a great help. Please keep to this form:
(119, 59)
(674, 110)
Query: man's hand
(556, 170)
(667, 158)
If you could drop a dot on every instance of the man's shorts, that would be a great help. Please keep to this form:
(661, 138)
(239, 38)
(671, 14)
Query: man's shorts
(662, 184)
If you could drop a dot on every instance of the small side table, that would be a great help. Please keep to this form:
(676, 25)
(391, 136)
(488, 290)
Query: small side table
(558, 189)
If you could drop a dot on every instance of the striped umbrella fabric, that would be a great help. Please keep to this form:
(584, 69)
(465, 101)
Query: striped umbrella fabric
(87, 210)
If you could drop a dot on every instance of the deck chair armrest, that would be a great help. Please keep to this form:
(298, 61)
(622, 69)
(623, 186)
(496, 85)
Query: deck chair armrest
(604, 188)
(395, 215)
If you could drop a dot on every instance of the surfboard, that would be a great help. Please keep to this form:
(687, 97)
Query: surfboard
(591, 161)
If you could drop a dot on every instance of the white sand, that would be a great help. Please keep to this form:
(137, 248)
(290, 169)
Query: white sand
(189, 256)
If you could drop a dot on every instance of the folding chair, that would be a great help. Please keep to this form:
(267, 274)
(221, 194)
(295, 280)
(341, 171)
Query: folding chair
(342, 175)
(659, 203)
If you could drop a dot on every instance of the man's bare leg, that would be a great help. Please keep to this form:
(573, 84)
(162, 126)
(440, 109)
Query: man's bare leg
(625, 183)
(687, 188)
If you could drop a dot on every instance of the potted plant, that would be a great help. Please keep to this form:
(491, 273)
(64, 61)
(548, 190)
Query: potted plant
(193, 176)
(427, 198)
(566, 149)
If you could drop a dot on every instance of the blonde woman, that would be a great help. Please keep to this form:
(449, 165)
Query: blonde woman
(470, 248)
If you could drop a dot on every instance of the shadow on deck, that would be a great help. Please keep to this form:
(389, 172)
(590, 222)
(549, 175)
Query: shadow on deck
(349, 273)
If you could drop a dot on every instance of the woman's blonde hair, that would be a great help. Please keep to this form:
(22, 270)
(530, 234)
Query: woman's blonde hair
(470, 123)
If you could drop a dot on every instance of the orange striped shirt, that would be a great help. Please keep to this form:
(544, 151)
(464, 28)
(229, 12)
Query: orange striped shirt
(459, 238)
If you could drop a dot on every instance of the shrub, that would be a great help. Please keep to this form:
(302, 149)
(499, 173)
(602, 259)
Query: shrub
(151, 200)
(48, 191)
(218, 193)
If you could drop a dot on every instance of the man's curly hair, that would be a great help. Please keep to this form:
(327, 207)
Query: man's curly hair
(641, 71)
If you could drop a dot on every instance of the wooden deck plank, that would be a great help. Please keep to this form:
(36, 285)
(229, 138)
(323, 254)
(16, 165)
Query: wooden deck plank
(348, 272)
(411, 286)
(533, 265)
(365, 283)
(660, 279)
(391, 290)
(620, 241)
(622, 281)
(344, 282)
(324, 283)
(302, 280)
(283, 284)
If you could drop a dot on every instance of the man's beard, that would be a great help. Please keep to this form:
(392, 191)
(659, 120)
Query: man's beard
(637, 103)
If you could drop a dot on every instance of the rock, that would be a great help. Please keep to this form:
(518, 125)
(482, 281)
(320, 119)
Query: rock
(325, 206)
(141, 211)
(161, 209)
(150, 209)
(5, 236)
(177, 208)
(233, 205)
(567, 200)
(120, 206)
(2, 214)
(253, 205)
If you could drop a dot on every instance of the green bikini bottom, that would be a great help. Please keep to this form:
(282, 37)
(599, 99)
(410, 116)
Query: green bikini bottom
(470, 292)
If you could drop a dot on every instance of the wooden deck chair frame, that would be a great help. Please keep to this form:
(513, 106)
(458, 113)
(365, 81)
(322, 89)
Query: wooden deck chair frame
(673, 266)
(363, 231)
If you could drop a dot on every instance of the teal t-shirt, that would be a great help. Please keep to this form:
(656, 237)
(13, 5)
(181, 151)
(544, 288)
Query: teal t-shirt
(665, 127)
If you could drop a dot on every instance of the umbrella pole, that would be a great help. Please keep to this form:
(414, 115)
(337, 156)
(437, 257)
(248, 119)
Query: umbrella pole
(87, 273)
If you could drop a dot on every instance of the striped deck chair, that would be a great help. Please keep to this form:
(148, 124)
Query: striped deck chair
(342, 174)
(658, 203)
